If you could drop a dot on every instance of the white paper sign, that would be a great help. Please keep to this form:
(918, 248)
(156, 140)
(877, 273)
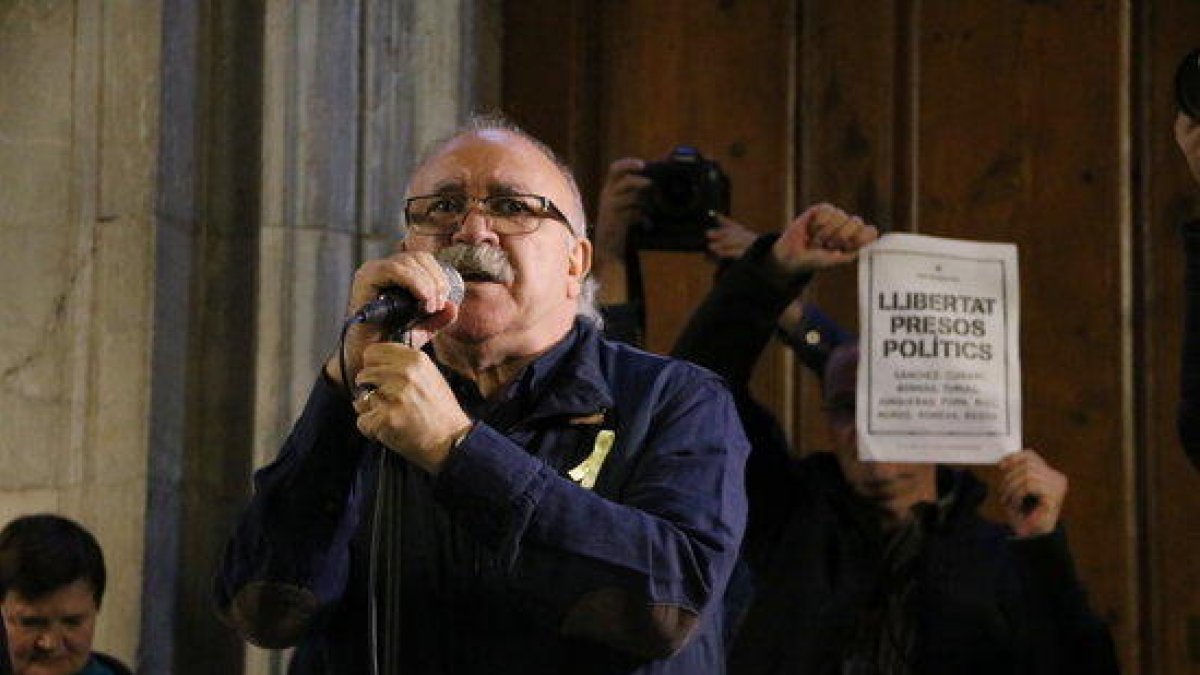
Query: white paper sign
(939, 377)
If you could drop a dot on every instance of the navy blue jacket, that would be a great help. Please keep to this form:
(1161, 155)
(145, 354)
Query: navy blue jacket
(503, 543)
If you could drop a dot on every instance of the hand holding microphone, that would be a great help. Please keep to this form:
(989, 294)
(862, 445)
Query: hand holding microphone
(407, 405)
(408, 291)
(397, 309)
(400, 396)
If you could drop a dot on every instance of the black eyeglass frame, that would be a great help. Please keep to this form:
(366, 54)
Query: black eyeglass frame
(547, 211)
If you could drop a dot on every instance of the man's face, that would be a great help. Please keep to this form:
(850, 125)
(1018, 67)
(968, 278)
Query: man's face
(549, 264)
(893, 487)
(51, 635)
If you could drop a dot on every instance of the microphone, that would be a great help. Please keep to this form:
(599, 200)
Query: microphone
(396, 306)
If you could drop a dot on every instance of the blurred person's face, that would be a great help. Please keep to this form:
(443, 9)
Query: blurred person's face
(891, 487)
(52, 634)
(548, 264)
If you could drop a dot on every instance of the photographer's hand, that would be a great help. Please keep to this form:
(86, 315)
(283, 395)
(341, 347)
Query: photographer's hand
(729, 239)
(823, 236)
(619, 209)
(1187, 135)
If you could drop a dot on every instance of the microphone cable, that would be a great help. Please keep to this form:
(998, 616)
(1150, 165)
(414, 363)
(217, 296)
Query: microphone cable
(385, 545)
(350, 321)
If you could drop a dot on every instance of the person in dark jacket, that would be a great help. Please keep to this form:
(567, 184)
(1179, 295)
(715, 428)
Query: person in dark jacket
(870, 568)
(889, 568)
(509, 492)
(875, 567)
(1187, 135)
(52, 581)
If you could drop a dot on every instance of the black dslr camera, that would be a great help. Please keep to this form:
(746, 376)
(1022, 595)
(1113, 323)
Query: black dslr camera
(684, 189)
(1187, 85)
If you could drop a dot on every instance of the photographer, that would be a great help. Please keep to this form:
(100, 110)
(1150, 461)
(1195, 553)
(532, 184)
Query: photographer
(1187, 135)
(622, 209)
(620, 206)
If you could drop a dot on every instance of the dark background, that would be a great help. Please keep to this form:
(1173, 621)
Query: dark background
(1044, 123)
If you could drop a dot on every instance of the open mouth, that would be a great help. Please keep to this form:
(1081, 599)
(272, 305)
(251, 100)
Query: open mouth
(479, 276)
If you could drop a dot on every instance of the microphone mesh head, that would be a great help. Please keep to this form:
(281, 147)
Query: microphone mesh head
(455, 280)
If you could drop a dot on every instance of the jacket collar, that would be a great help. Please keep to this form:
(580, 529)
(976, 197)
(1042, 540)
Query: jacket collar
(566, 381)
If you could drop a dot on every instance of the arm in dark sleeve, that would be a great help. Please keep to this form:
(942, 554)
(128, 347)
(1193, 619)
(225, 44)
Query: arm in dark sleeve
(815, 337)
(727, 334)
(728, 331)
(289, 556)
(1189, 376)
(635, 562)
(1064, 635)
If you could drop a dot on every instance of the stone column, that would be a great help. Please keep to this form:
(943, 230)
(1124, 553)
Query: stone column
(202, 391)
(352, 92)
(185, 190)
(78, 139)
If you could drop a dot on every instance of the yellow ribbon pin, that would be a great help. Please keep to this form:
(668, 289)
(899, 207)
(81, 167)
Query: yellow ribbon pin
(589, 469)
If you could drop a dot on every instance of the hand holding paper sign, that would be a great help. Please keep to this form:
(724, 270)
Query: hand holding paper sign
(1026, 475)
(823, 236)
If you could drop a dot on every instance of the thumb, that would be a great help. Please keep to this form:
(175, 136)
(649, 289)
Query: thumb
(424, 330)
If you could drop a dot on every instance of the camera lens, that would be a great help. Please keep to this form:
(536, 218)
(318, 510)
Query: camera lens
(676, 196)
(1187, 84)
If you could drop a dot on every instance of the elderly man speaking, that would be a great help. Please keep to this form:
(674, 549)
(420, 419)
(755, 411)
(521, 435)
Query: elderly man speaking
(502, 490)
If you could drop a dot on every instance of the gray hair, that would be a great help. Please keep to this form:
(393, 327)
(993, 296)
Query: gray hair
(576, 218)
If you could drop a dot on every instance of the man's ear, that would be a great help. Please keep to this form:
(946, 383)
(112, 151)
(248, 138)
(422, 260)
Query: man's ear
(579, 263)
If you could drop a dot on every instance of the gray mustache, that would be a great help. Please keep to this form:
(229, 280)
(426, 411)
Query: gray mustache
(477, 262)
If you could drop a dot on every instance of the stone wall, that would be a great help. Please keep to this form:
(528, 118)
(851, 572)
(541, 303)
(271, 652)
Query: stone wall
(340, 134)
(78, 138)
(185, 190)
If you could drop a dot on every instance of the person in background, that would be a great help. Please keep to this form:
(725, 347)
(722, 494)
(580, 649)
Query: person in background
(869, 567)
(51, 583)
(732, 353)
(1187, 135)
(889, 568)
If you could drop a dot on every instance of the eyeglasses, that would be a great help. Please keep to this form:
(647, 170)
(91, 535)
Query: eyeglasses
(441, 215)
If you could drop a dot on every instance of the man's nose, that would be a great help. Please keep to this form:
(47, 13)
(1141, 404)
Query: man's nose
(48, 640)
(475, 228)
